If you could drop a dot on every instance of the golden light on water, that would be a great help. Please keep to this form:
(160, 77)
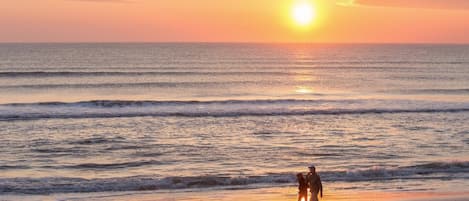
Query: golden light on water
(304, 90)
(304, 78)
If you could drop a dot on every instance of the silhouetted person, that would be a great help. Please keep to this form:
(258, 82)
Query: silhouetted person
(302, 187)
(314, 182)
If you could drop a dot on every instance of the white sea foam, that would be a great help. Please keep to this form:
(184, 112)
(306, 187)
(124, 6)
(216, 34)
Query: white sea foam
(111, 109)
(428, 171)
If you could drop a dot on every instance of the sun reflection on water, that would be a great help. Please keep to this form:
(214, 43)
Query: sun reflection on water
(304, 90)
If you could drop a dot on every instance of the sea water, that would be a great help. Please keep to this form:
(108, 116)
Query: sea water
(80, 118)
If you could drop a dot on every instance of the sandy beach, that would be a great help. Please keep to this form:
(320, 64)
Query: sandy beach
(264, 194)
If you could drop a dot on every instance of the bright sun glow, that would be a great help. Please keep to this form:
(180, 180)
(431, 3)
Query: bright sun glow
(303, 13)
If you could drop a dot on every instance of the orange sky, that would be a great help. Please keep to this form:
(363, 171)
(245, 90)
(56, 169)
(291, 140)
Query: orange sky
(350, 21)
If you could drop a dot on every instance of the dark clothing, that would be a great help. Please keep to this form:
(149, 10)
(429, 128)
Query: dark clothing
(314, 181)
(315, 185)
(303, 186)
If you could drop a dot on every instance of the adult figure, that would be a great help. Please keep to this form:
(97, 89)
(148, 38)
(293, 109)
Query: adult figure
(314, 182)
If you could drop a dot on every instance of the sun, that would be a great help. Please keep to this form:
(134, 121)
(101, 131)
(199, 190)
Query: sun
(303, 13)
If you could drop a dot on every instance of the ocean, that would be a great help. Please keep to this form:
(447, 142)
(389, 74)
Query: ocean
(136, 117)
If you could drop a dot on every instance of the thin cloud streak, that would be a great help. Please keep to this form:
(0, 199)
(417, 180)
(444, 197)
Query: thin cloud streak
(425, 4)
(105, 1)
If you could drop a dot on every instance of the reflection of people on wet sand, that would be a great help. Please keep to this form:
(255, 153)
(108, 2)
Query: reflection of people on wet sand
(314, 182)
(302, 187)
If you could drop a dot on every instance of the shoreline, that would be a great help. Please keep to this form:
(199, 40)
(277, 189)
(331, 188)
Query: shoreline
(263, 194)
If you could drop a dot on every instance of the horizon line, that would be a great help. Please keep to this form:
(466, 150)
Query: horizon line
(232, 42)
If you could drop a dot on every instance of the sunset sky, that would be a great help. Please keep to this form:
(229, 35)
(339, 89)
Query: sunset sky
(336, 21)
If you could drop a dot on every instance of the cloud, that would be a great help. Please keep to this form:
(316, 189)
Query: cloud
(106, 1)
(430, 4)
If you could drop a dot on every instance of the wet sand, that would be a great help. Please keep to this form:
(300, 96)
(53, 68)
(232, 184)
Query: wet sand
(265, 194)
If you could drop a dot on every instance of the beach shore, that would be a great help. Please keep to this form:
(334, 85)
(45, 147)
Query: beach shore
(264, 194)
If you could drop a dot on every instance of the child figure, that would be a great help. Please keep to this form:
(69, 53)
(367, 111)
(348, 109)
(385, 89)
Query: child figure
(302, 187)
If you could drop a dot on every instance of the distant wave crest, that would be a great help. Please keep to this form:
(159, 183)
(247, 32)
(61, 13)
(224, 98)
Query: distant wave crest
(224, 108)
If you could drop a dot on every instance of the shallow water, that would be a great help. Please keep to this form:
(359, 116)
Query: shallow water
(135, 117)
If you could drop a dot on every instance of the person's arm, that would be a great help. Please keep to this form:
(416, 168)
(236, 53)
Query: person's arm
(320, 185)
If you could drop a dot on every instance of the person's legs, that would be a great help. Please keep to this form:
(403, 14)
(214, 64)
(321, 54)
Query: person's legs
(303, 195)
(314, 196)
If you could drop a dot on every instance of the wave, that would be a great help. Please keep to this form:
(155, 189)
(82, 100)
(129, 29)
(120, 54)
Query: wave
(96, 140)
(108, 166)
(278, 69)
(137, 73)
(226, 114)
(275, 61)
(125, 103)
(131, 84)
(50, 71)
(227, 108)
(50, 185)
(461, 91)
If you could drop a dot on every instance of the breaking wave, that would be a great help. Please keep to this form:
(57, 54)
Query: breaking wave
(50, 185)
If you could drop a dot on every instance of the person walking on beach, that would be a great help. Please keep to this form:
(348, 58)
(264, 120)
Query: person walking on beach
(315, 184)
(302, 187)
